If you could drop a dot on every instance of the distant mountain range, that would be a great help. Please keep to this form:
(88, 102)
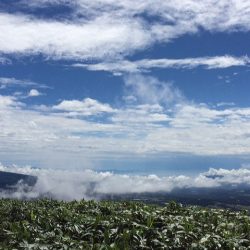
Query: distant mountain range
(233, 197)
(9, 180)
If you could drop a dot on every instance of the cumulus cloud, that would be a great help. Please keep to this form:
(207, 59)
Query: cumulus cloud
(34, 93)
(8, 102)
(146, 65)
(87, 107)
(154, 122)
(51, 138)
(155, 119)
(88, 184)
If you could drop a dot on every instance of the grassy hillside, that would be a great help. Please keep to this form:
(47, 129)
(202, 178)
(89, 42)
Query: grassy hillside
(49, 224)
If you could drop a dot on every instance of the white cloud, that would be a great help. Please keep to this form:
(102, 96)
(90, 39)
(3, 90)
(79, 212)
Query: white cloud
(7, 102)
(114, 28)
(86, 107)
(102, 37)
(34, 93)
(201, 130)
(119, 67)
(232, 15)
(63, 134)
(137, 129)
(88, 184)
(6, 82)
(155, 120)
(150, 90)
(224, 104)
(141, 114)
(50, 139)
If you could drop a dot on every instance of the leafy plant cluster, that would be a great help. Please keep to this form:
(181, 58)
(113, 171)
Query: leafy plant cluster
(50, 224)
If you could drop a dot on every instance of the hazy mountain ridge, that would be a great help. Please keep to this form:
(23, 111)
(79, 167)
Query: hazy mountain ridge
(235, 196)
(10, 180)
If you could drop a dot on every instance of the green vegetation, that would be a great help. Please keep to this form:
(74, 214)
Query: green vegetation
(49, 224)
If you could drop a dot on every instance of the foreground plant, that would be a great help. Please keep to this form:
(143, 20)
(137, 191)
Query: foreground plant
(50, 224)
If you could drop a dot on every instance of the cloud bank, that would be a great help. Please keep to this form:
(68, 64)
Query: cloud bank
(88, 184)
(154, 120)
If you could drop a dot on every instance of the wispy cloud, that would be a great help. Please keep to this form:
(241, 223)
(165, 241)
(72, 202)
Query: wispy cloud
(225, 104)
(148, 89)
(7, 82)
(146, 65)
(99, 38)
(101, 29)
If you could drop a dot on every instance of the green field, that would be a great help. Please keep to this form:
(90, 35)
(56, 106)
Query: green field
(50, 224)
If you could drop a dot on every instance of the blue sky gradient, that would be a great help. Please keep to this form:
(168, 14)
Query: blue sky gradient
(139, 87)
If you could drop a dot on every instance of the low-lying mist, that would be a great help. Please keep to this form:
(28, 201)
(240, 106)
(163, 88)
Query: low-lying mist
(88, 184)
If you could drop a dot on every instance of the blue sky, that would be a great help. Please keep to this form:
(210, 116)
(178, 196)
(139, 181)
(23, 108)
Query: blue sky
(146, 86)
